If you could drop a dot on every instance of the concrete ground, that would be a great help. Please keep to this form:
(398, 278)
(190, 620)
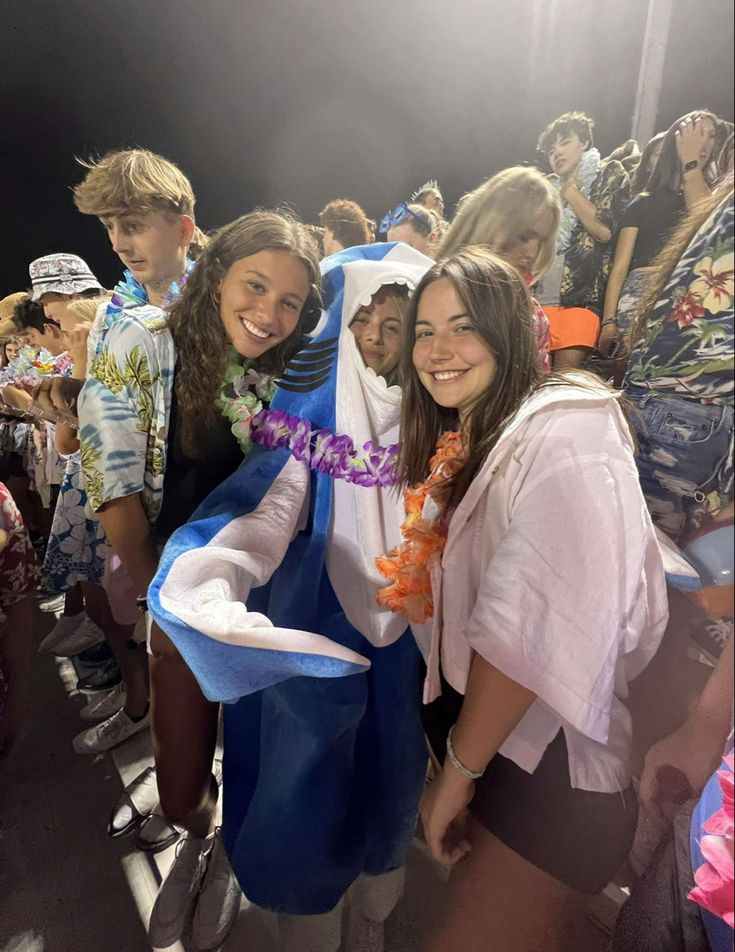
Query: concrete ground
(65, 886)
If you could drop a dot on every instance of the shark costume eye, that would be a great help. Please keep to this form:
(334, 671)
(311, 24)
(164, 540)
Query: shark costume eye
(310, 368)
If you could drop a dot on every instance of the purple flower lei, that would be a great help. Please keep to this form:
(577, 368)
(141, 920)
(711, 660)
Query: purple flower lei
(324, 451)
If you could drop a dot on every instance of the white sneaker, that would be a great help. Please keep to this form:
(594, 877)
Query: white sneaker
(64, 627)
(364, 935)
(102, 707)
(86, 635)
(108, 734)
(219, 901)
(176, 897)
(52, 603)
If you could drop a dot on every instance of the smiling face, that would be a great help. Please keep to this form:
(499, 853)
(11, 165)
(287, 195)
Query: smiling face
(151, 245)
(261, 299)
(377, 330)
(453, 362)
(565, 154)
(524, 251)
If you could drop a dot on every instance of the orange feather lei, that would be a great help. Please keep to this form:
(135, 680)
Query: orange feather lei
(407, 566)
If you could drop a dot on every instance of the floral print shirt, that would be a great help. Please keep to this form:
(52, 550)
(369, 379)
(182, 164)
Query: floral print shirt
(688, 348)
(586, 261)
(124, 409)
(19, 571)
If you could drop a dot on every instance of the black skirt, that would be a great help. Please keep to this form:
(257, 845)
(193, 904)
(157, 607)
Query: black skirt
(579, 837)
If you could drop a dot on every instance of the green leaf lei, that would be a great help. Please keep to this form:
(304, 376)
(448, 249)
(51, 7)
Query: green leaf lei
(244, 391)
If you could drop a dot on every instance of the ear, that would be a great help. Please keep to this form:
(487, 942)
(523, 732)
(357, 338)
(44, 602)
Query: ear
(186, 232)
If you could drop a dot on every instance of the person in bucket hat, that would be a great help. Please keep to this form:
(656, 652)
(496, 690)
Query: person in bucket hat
(61, 273)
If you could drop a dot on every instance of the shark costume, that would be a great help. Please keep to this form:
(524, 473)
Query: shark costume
(269, 594)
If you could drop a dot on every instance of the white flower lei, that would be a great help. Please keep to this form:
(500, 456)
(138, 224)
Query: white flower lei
(587, 171)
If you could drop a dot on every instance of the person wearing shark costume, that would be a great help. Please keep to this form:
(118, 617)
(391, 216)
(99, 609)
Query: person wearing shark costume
(269, 595)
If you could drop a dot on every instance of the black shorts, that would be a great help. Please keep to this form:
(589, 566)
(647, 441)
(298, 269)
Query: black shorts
(579, 837)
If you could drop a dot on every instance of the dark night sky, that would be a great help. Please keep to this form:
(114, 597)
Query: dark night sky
(306, 100)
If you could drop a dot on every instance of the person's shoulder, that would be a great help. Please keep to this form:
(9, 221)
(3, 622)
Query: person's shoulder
(635, 211)
(571, 410)
(640, 203)
(136, 324)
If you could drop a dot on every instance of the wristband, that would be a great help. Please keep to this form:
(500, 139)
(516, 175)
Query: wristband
(609, 320)
(690, 166)
(457, 763)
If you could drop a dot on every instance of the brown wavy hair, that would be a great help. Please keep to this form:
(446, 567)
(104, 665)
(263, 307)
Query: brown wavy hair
(133, 179)
(347, 221)
(498, 302)
(195, 322)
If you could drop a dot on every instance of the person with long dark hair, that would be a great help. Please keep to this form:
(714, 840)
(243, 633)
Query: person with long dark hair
(680, 374)
(535, 596)
(679, 180)
(647, 164)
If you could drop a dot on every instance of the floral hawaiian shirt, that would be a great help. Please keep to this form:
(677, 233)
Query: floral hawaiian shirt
(586, 261)
(688, 348)
(124, 409)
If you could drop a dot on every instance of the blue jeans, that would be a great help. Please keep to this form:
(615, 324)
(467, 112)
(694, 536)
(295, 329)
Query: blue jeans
(685, 457)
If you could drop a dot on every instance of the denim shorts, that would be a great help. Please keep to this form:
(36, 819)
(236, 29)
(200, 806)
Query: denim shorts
(684, 459)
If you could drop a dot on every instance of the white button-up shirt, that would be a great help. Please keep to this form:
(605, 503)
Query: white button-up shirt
(552, 573)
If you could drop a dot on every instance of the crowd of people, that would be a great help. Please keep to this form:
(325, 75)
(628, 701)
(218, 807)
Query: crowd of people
(383, 500)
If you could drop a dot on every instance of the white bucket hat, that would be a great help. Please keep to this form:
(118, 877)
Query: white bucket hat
(61, 274)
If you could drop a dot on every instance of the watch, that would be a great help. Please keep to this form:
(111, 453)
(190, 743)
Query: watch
(690, 165)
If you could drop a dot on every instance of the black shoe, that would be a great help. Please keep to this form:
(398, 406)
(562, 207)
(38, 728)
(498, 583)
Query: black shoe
(101, 679)
(95, 655)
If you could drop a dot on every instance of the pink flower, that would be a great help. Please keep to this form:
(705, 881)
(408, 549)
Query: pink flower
(714, 879)
(716, 876)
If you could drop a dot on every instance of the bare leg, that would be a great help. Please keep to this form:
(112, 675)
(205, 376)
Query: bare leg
(184, 729)
(73, 601)
(131, 658)
(499, 902)
(569, 358)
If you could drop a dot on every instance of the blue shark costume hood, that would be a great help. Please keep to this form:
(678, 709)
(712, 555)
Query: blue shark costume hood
(269, 595)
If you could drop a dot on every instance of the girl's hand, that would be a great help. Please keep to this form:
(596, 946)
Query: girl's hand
(689, 139)
(608, 340)
(691, 751)
(569, 187)
(77, 346)
(445, 816)
(56, 396)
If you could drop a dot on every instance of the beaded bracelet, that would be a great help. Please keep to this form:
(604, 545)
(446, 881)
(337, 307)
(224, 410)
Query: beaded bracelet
(457, 763)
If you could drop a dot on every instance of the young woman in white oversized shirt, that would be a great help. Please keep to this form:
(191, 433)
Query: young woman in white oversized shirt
(542, 596)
